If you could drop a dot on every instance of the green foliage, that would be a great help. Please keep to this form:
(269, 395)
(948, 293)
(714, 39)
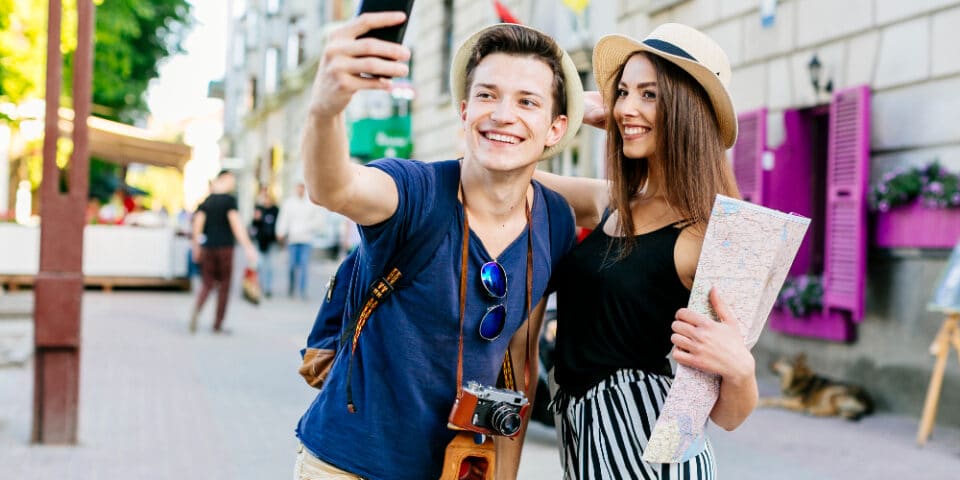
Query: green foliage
(801, 295)
(22, 43)
(934, 185)
(132, 38)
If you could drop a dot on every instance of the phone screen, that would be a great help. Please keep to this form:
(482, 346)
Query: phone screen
(390, 34)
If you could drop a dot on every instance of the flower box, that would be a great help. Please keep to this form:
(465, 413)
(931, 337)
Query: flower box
(823, 324)
(916, 226)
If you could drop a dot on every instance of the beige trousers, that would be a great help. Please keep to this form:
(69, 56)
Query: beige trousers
(309, 467)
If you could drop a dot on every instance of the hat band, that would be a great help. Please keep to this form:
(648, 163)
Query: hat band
(668, 47)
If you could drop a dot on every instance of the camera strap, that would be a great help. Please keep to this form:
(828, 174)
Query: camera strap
(508, 373)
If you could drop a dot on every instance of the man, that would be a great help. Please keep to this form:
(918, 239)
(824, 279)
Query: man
(264, 230)
(216, 227)
(519, 100)
(296, 225)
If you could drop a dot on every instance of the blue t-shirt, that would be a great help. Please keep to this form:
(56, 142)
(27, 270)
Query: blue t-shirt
(405, 366)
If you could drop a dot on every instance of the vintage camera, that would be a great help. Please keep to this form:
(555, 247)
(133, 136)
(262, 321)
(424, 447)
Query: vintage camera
(488, 410)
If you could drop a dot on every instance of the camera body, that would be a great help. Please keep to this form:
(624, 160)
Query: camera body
(489, 410)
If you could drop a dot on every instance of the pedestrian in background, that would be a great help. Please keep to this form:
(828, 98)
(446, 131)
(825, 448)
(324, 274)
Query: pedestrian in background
(263, 229)
(216, 228)
(621, 292)
(296, 225)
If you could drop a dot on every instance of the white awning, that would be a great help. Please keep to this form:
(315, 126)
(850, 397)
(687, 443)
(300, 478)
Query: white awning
(124, 144)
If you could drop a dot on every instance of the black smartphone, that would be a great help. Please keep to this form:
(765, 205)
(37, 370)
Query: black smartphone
(390, 34)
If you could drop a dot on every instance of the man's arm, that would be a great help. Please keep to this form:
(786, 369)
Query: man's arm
(240, 233)
(199, 219)
(365, 195)
(508, 449)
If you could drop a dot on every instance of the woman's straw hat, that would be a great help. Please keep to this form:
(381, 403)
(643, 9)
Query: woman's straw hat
(573, 89)
(689, 49)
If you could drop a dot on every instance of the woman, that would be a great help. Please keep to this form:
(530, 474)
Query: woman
(621, 292)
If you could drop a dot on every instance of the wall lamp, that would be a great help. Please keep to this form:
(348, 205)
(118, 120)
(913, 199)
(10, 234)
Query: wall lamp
(815, 68)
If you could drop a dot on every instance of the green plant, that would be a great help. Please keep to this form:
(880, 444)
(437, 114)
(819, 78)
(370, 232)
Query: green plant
(801, 295)
(940, 187)
(934, 185)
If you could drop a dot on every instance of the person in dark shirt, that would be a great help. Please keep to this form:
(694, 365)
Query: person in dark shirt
(621, 292)
(216, 227)
(264, 230)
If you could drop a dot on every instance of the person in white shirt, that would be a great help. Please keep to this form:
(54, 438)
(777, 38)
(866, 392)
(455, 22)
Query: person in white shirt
(296, 225)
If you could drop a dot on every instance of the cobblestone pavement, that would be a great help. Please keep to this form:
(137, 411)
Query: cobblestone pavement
(158, 403)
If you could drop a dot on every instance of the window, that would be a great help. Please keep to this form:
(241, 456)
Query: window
(252, 25)
(270, 65)
(239, 51)
(820, 171)
(446, 50)
(239, 8)
(295, 40)
(273, 7)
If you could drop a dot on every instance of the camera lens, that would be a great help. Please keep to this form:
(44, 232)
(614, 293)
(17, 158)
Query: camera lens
(505, 420)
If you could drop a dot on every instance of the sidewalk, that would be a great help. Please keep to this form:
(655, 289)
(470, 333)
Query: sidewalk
(158, 403)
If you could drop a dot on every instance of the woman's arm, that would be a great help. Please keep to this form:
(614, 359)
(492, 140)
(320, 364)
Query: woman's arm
(717, 347)
(587, 196)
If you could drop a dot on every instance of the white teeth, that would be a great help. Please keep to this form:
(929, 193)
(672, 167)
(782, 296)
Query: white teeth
(635, 130)
(502, 138)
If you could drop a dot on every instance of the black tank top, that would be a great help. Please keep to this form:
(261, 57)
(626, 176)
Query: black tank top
(616, 314)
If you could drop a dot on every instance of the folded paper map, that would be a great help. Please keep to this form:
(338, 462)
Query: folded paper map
(747, 253)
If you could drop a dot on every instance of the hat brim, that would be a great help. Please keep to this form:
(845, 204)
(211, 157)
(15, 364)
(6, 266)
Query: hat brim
(612, 51)
(573, 88)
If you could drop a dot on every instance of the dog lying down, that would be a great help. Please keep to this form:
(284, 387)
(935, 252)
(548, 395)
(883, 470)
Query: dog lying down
(805, 391)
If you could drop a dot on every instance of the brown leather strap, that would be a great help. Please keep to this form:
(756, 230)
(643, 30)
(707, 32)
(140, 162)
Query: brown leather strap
(508, 373)
(463, 291)
(380, 289)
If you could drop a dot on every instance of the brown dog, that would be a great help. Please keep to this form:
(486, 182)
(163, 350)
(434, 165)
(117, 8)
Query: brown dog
(805, 391)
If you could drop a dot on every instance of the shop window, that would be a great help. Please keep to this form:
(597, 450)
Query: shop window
(819, 171)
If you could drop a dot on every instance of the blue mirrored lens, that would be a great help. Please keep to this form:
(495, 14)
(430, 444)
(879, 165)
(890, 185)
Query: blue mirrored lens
(493, 321)
(494, 279)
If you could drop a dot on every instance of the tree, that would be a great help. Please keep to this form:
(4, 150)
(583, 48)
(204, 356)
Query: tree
(22, 43)
(132, 38)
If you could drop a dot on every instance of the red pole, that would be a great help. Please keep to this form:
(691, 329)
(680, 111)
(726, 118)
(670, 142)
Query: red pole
(59, 284)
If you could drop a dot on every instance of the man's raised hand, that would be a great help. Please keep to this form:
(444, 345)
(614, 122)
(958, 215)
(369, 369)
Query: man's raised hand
(346, 57)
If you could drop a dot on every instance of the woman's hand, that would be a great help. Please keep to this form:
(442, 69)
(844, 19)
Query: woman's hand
(712, 346)
(594, 113)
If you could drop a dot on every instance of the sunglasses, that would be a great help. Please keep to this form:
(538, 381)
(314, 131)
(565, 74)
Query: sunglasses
(494, 280)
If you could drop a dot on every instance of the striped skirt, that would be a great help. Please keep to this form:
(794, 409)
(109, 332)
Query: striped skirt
(602, 435)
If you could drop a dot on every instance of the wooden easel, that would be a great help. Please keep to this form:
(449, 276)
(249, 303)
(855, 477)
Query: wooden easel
(948, 335)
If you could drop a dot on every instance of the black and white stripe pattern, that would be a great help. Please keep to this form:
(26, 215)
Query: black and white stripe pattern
(603, 434)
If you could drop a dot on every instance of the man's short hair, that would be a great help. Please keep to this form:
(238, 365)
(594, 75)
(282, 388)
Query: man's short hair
(520, 41)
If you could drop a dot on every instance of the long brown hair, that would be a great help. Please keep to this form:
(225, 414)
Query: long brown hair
(691, 160)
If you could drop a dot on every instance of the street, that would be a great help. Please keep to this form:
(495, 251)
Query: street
(158, 403)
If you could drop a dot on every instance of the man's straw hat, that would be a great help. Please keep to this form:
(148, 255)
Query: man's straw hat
(689, 49)
(573, 89)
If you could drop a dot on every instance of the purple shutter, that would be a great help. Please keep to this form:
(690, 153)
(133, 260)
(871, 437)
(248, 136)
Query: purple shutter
(848, 160)
(748, 154)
